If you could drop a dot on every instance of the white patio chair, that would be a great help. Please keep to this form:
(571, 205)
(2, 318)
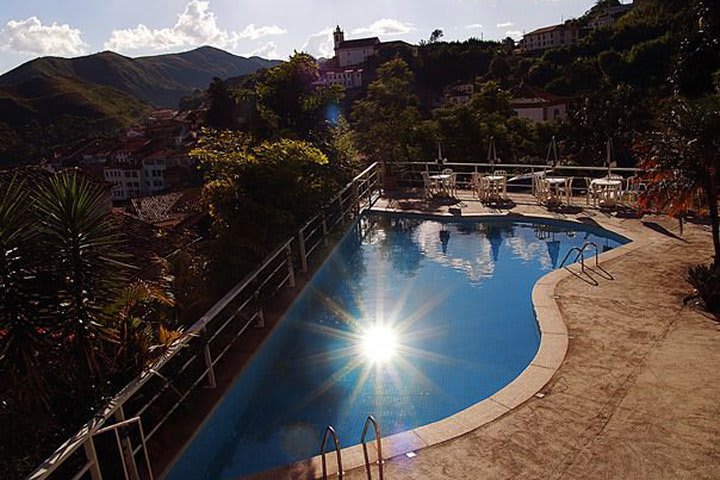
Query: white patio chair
(566, 190)
(429, 185)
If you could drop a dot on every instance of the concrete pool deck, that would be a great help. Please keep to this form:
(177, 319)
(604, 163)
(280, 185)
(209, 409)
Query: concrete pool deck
(637, 393)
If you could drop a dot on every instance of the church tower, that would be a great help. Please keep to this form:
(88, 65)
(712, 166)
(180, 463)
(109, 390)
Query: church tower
(338, 37)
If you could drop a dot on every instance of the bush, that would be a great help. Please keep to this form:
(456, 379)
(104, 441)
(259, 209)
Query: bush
(706, 280)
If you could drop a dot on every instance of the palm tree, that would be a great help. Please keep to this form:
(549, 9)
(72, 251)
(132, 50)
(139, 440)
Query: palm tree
(23, 310)
(80, 243)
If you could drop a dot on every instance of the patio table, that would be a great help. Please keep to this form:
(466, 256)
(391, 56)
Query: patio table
(442, 179)
(604, 188)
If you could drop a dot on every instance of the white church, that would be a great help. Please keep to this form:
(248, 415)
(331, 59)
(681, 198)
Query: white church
(345, 68)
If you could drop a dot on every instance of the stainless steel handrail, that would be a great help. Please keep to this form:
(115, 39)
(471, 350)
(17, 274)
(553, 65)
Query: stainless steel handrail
(597, 251)
(579, 255)
(378, 441)
(329, 430)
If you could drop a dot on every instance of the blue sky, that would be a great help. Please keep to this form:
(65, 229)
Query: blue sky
(269, 28)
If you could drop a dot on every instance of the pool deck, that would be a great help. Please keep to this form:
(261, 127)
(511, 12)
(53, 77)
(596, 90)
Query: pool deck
(636, 395)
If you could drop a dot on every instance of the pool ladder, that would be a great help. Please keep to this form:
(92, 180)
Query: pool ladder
(330, 432)
(581, 255)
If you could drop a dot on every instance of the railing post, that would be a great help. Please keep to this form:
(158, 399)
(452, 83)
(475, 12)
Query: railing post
(355, 199)
(208, 359)
(127, 450)
(291, 270)
(342, 211)
(261, 319)
(369, 191)
(324, 229)
(91, 454)
(303, 253)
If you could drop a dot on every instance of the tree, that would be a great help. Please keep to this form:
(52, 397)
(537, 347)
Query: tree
(290, 103)
(436, 35)
(386, 119)
(221, 109)
(77, 231)
(682, 160)
(258, 195)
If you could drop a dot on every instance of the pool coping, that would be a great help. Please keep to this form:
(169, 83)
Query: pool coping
(554, 343)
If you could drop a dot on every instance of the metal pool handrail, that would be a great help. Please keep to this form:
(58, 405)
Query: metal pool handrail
(378, 441)
(581, 255)
(330, 431)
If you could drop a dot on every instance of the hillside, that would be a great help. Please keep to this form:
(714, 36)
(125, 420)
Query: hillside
(159, 80)
(43, 112)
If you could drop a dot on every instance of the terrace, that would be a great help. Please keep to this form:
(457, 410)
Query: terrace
(632, 392)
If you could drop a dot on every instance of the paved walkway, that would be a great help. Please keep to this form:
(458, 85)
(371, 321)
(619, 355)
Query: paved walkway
(638, 396)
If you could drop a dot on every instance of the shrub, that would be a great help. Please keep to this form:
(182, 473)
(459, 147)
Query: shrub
(706, 281)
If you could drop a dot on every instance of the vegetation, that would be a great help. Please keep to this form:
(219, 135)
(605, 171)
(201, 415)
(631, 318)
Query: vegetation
(71, 328)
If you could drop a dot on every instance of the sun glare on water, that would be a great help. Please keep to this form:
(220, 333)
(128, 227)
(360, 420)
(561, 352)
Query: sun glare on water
(379, 343)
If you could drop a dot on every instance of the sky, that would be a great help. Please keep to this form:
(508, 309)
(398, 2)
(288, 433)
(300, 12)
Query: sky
(268, 28)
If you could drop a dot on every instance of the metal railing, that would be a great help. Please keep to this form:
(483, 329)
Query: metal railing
(162, 388)
(378, 445)
(581, 255)
(330, 432)
(464, 171)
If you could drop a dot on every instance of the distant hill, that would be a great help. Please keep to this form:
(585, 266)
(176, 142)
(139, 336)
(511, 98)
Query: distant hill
(159, 80)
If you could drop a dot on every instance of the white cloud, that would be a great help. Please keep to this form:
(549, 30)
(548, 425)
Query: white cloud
(505, 25)
(31, 37)
(473, 26)
(269, 51)
(385, 27)
(253, 32)
(195, 26)
(320, 44)
(514, 34)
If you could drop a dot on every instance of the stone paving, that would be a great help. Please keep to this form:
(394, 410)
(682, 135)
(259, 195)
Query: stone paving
(637, 396)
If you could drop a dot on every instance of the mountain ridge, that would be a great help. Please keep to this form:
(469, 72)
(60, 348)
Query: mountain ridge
(158, 80)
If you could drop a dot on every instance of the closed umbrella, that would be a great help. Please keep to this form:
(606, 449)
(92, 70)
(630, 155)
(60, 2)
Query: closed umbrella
(492, 154)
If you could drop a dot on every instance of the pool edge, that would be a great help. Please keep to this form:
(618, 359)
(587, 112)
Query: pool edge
(554, 343)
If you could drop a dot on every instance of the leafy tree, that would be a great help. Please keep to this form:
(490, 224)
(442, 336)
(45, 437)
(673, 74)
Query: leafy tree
(436, 35)
(386, 119)
(258, 195)
(682, 159)
(220, 113)
(289, 102)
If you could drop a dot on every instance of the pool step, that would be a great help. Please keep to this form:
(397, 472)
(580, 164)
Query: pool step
(330, 432)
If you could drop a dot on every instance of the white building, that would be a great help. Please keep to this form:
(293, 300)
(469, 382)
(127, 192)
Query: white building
(347, 77)
(353, 52)
(550, 37)
(538, 105)
(346, 67)
(609, 15)
(132, 176)
(458, 93)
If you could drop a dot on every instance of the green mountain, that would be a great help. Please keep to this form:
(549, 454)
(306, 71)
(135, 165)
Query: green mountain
(159, 80)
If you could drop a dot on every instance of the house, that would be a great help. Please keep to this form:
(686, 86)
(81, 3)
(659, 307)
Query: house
(458, 93)
(550, 37)
(608, 15)
(538, 105)
(347, 77)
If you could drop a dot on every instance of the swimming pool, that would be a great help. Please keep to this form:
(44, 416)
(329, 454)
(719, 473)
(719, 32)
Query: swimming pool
(410, 319)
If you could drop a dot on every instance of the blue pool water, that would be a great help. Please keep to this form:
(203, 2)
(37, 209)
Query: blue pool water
(456, 297)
